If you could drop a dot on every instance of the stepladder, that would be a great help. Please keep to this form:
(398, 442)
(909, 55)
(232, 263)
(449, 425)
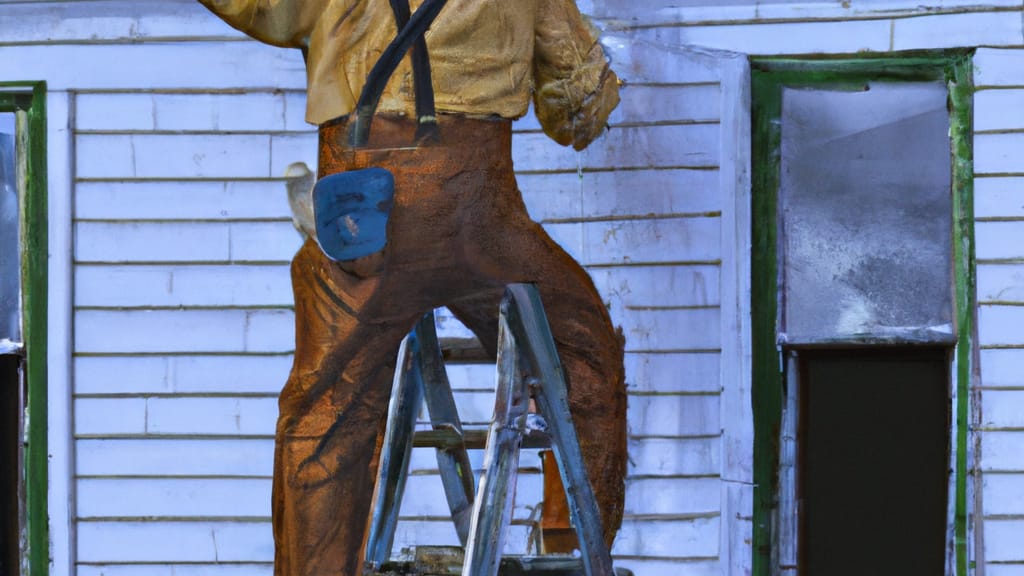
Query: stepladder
(531, 409)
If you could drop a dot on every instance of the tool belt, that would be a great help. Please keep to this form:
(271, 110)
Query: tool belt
(351, 209)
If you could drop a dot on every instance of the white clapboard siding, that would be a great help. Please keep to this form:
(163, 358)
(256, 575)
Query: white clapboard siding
(184, 331)
(672, 457)
(182, 200)
(181, 374)
(183, 316)
(199, 242)
(1001, 283)
(213, 65)
(200, 541)
(174, 457)
(957, 30)
(998, 67)
(174, 285)
(118, 156)
(673, 372)
(703, 12)
(660, 286)
(803, 34)
(1003, 409)
(1002, 540)
(1016, 569)
(999, 209)
(105, 498)
(999, 110)
(674, 415)
(110, 21)
(183, 328)
(998, 197)
(182, 132)
(578, 196)
(166, 569)
(695, 537)
(1000, 325)
(995, 153)
(632, 147)
(1001, 367)
(1002, 494)
(672, 329)
(230, 112)
(643, 241)
(655, 565)
(161, 416)
(668, 496)
(1004, 451)
(998, 240)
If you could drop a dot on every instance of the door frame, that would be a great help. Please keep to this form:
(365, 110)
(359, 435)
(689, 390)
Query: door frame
(30, 98)
(768, 77)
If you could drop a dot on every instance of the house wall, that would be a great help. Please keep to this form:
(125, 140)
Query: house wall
(997, 388)
(170, 135)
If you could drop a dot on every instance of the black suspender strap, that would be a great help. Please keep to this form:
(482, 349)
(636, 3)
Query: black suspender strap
(425, 114)
(409, 34)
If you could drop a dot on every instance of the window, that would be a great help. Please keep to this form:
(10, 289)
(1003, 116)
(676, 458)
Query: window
(23, 257)
(862, 306)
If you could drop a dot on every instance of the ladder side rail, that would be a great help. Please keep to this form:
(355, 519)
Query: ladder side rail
(452, 458)
(492, 510)
(396, 450)
(532, 334)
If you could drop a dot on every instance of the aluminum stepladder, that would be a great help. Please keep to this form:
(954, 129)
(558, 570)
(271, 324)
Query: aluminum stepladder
(527, 365)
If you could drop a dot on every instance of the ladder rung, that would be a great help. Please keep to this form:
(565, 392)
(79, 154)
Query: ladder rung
(473, 439)
(445, 560)
(464, 351)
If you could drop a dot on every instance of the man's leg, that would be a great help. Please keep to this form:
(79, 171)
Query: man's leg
(590, 348)
(331, 417)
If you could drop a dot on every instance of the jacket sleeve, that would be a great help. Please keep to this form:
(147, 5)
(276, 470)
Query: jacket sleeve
(575, 89)
(285, 23)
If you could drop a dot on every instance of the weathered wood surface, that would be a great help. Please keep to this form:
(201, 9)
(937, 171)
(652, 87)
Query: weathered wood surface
(125, 60)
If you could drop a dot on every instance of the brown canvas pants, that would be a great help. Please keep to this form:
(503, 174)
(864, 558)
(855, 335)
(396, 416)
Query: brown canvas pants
(458, 233)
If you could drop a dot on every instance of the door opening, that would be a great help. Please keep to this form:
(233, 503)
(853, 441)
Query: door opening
(873, 460)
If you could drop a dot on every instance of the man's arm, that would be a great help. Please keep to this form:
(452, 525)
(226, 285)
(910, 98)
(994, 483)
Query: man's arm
(576, 90)
(285, 23)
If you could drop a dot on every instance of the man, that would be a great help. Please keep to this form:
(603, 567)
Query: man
(458, 233)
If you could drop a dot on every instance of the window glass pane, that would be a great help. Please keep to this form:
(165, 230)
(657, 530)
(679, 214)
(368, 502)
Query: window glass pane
(10, 270)
(866, 213)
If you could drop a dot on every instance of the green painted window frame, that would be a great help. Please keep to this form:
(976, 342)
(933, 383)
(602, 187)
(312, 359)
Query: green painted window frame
(30, 97)
(768, 77)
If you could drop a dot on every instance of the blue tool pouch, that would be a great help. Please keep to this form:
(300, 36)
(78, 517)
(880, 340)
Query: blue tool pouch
(351, 208)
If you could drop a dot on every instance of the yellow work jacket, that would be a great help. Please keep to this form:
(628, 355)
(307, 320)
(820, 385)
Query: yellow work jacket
(488, 58)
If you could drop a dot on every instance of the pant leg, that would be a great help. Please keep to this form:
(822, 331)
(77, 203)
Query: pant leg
(332, 412)
(590, 348)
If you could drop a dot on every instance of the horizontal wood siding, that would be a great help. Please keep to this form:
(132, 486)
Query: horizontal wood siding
(183, 323)
(640, 208)
(183, 320)
(999, 213)
(181, 131)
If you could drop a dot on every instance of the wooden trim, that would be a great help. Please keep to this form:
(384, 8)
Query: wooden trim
(30, 97)
(766, 385)
(735, 373)
(768, 77)
(960, 79)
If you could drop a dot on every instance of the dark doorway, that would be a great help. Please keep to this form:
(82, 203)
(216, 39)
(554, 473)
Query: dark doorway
(11, 391)
(874, 461)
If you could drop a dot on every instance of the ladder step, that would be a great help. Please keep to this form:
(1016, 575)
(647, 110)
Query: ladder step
(464, 351)
(447, 561)
(473, 439)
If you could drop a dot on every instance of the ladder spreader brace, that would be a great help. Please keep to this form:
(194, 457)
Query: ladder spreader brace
(527, 366)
